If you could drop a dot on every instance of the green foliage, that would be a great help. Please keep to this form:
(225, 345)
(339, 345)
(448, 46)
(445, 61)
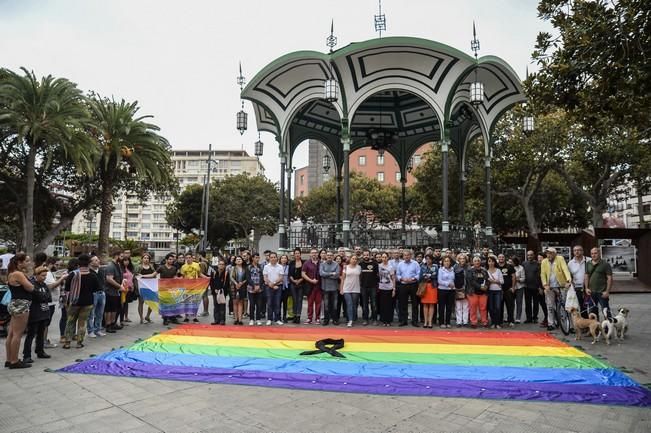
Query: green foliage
(369, 200)
(238, 205)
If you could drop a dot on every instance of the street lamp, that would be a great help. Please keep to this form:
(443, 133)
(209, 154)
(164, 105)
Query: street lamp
(528, 124)
(477, 87)
(326, 164)
(258, 147)
(241, 115)
(330, 90)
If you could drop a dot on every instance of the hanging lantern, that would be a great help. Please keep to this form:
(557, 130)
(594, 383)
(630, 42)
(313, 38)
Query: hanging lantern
(330, 90)
(258, 148)
(326, 164)
(241, 121)
(528, 124)
(410, 164)
(477, 92)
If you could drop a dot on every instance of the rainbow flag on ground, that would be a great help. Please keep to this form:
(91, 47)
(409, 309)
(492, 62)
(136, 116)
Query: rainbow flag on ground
(495, 365)
(172, 296)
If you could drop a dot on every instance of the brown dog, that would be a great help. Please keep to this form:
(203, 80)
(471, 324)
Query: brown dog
(591, 324)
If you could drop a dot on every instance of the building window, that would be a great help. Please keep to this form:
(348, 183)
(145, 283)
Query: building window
(380, 160)
(380, 176)
(417, 160)
(398, 177)
(361, 160)
(646, 209)
(117, 235)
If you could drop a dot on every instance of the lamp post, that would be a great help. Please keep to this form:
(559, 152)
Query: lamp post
(476, 87)
(242, 116)
(330, 84)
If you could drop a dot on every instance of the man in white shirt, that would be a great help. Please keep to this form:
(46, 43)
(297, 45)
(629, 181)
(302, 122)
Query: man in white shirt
(4, 264)
(577, 269)
(273, 275)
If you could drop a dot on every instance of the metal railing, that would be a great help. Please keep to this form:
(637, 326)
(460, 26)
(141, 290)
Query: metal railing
(384, 237)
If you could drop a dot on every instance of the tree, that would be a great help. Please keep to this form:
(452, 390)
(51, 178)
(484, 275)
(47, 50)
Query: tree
(370, 201)
(40, 120)
(597, 65)
(239, 205)
(132, 154)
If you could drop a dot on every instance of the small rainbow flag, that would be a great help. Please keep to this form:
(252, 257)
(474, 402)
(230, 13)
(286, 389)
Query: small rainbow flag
(172, 296)
(494, 365)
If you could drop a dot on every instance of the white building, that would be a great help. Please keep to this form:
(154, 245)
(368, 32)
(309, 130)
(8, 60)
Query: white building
(623, 212)
(145, 221)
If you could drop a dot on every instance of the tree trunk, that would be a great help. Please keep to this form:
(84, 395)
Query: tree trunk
(28, 221)
(597, 215)
(640, 207)
(63, 224)
(105, 218)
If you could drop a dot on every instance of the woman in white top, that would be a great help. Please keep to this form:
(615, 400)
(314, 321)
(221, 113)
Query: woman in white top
(350, 288)
(495, 296)
(447, 292)
(519, 288)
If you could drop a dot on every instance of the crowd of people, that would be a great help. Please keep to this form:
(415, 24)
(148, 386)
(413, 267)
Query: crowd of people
(428, 288)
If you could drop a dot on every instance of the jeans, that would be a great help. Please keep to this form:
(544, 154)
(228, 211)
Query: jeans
(476, 302)
(255, 306)
(406, 291)
(351, 305)
(519, 295)
(34, 329)
(531, 303)
(599, 304)
(446, 300)
(273, 303)
(495, 300)
(284, 298)
(297, 299)
(509, 304)
(77, 316)
(314, 303)
(62, 321)
(97, 313)
(369, 296)
(329, 305)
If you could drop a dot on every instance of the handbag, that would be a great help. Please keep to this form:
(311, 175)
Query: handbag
(220, 298)
(422, 286)
(571, 301)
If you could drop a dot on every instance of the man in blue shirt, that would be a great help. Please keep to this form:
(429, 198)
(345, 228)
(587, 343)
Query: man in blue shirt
(407, 277)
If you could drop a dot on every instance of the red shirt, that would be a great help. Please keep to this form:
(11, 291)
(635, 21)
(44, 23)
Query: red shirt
(311, 269)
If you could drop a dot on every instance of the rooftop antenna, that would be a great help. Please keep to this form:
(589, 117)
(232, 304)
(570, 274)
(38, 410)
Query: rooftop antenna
(380, 20)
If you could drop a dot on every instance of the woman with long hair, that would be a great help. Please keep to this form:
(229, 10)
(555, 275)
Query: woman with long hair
(238, 289)
(461, 299)
(296, 284)
(429, 299)
(127, 293)
(21, 300)
(146, 268)
(495, 296)
(219, 282)
(284, 262)
(351, 288)
(387, 289)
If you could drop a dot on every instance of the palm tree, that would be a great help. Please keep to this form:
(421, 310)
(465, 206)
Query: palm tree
(43, 118)
(132, 152)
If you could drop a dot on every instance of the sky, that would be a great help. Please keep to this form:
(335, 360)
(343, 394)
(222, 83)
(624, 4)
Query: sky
(179, 59)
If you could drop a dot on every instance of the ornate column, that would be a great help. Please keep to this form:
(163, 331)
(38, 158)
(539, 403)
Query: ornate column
(445, 223)
(282, 238)
(289, 201)
(346, 142)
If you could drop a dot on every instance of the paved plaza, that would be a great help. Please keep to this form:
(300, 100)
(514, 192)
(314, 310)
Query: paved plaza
(34, 400)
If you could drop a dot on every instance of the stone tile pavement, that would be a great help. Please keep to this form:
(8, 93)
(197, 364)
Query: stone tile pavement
(33, 400)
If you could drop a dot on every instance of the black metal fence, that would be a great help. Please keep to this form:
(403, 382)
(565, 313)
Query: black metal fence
(385, 237)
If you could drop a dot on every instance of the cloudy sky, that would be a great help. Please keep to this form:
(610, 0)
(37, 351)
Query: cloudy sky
(179, 59)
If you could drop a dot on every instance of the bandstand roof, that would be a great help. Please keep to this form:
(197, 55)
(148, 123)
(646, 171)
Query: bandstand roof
(411, 85)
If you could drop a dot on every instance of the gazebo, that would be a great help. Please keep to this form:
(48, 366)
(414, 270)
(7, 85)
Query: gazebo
(393, 94)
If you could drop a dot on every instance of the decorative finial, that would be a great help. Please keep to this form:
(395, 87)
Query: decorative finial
(331, 41)
(240, 78)
(380, 20)
(474, 44)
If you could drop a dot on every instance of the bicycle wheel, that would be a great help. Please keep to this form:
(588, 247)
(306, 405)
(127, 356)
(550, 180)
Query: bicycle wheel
(563, 319)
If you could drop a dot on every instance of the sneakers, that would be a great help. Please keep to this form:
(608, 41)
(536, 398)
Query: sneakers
(268, 322)
(251, 323)
(349, 324)
(92, 335)
(517, 321)
(186, 320)
(365, 323)
(317, 322)
(259, 323)
(308, 322)
(280, 322)
(204, 314)
(49, 345)
(195, 320)
(100, 334)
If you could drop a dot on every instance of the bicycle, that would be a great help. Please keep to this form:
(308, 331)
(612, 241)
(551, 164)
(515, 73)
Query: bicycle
(562, 316)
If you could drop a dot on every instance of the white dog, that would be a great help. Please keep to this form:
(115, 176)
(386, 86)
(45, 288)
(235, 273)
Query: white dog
(617, 326)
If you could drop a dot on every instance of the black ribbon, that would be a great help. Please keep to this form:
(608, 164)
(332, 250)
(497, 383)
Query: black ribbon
(327, 345)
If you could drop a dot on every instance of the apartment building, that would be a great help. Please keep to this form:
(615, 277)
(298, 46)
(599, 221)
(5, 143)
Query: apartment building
(146, 221)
